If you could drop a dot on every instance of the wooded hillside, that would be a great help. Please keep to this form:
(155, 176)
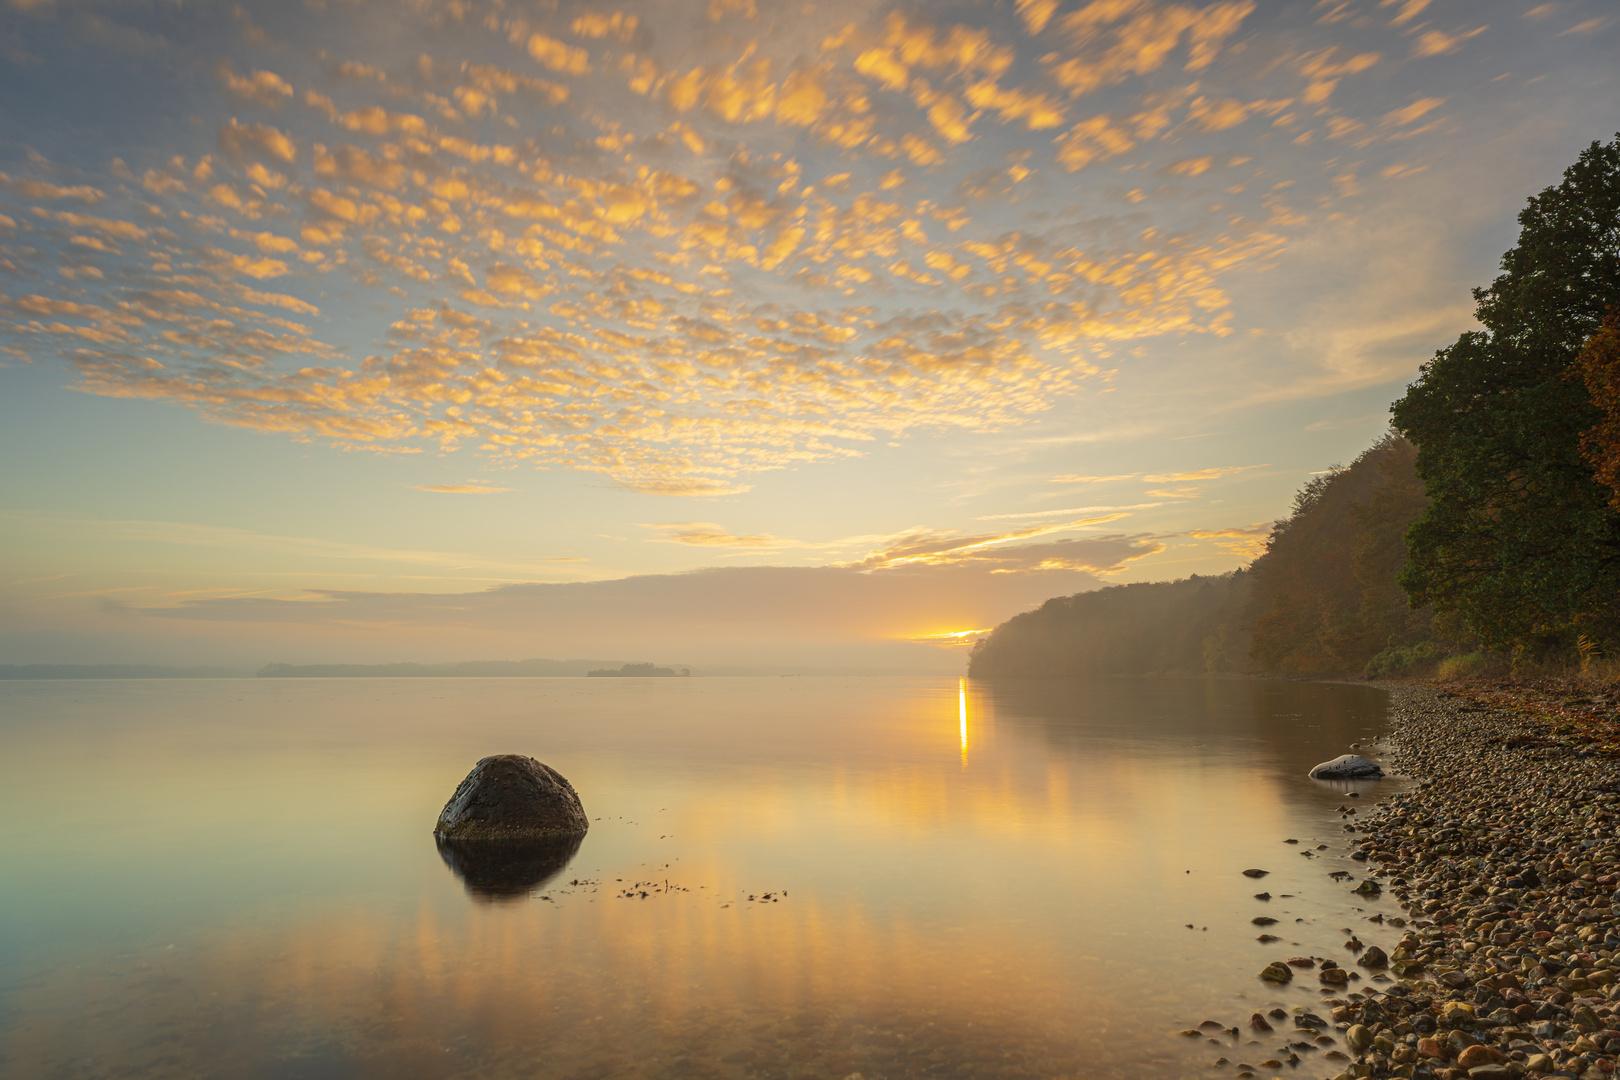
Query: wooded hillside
(1323, 598)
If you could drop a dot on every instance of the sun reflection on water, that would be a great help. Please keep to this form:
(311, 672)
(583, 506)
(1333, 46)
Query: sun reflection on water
(961, 709)
(1025, 917)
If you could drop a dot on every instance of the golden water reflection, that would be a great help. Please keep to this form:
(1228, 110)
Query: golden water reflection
(779, 883)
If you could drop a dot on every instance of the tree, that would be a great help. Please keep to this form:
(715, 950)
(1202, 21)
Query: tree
(1519, 539)
(1325, 595)
(1599, 367)
(1183, 627)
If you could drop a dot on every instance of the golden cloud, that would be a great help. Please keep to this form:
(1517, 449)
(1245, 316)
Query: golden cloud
(262, 88)
(1091, 140)
(1438, 42)
(462, 489)
(1215, 473)
(1109, 41)
(1413, 112)
(1070, 511)
(595, 24)
(1077, 479)
(1246, 542)
(240, 140)
(708, 534)
(685, 264)
(41, 190)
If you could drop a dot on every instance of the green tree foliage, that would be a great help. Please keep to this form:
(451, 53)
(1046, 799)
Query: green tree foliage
(1160, 628)
(1325, 595)
(1519, 540)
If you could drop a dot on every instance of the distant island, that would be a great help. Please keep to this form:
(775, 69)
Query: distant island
(638, 671)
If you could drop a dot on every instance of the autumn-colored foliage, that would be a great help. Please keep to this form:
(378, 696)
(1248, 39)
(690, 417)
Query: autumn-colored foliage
(1599, 367)
(1325, 596)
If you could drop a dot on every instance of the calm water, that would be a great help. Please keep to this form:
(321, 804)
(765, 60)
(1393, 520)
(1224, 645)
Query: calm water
(236, 878)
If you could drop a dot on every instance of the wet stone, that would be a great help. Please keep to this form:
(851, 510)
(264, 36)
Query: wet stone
(1346, 767)
(1505, 857)
(511, 797)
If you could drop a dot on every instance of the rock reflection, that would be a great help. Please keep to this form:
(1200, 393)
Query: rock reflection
(496, 871)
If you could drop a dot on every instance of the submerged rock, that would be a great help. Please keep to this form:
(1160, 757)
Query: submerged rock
(1347, 767)
(511, 797)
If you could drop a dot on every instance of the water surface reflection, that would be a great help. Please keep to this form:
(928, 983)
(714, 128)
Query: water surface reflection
(783, 878)
(506, 869)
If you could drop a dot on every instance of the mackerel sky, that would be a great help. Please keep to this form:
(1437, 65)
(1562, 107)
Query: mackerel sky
(721, 331)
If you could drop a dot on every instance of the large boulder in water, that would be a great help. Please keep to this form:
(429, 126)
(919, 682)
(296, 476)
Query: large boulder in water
(511, 797)
(1347, 767)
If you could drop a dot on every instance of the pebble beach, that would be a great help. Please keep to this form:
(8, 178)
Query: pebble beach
(1503, 853)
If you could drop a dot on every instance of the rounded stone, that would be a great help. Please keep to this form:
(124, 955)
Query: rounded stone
(1346, 767)
(1474, 1056)
(511, 797)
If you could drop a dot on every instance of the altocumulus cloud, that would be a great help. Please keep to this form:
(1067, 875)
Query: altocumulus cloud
(678, 244)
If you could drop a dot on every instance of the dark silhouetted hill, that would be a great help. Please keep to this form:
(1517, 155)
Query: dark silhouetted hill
(1184, 627)
(1324, 597)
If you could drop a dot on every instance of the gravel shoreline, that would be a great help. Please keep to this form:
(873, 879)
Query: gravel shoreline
(1505, 856)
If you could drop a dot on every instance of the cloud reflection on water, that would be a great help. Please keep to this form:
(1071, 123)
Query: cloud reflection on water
(1022, 915)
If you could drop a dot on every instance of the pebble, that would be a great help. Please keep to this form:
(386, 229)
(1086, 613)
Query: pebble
(1505, 856)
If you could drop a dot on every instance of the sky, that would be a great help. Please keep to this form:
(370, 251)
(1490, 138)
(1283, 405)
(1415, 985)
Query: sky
(740, 334)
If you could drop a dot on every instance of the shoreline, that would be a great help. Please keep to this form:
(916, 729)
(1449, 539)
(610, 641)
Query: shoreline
(1504, 855)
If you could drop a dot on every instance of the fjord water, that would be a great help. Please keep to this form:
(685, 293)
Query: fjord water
(784, 877)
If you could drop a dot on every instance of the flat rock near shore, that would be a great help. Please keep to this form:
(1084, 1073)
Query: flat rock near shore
(1506, 859)
(511, 797)
(1347, 767)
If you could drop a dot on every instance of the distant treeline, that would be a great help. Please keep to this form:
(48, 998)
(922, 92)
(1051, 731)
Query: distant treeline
(1157, 628)
(1323, 597)
(114, 671)
(1484, 529)
(470, 669)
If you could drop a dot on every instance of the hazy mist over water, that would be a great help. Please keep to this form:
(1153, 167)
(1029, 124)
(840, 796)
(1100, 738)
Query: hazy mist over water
(236, 878)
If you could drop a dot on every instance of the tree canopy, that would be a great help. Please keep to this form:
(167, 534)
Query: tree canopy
(1519, 539)
(1325, 595)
